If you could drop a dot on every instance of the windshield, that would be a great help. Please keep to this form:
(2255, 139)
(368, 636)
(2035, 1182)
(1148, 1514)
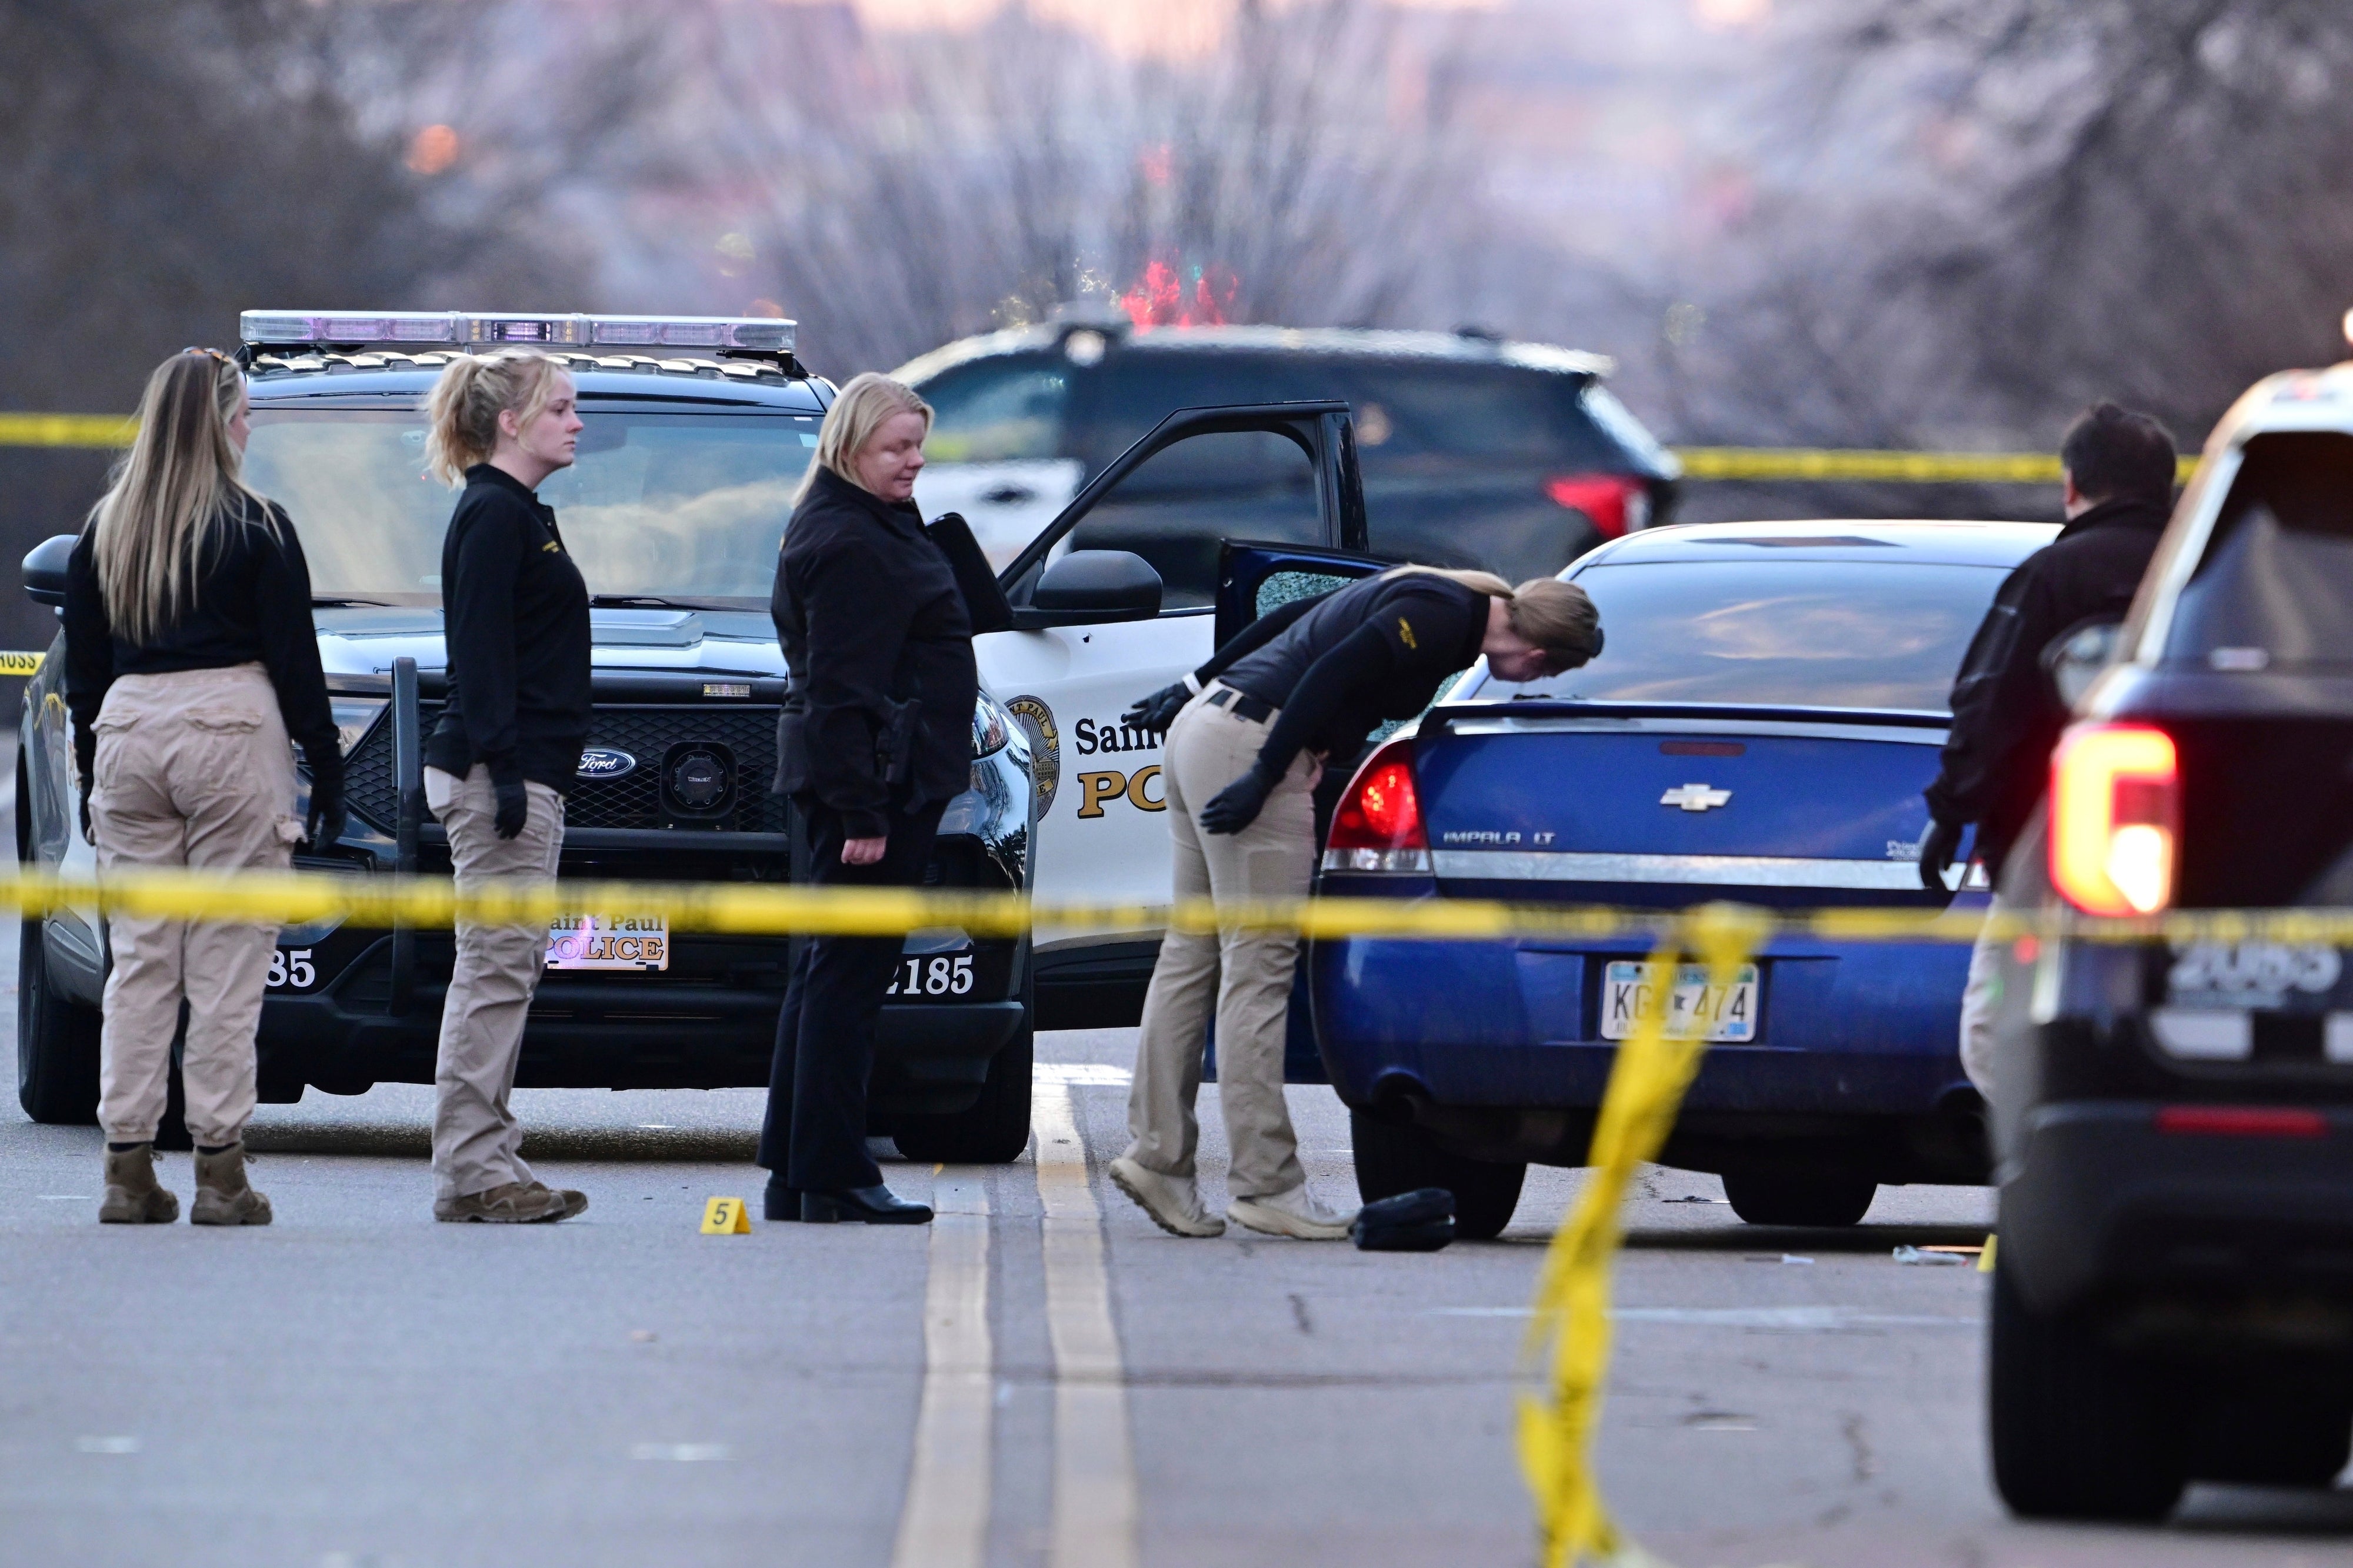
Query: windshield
(1793, 634)
(671, 506)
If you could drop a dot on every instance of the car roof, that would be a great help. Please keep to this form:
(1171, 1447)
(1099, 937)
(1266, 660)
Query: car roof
(1433, 348)
(361, 380)
(1922, 543)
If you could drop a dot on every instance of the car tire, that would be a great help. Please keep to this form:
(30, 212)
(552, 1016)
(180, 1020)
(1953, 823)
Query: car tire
(2280, 1428)
(2079, 1431)
(57, 1041)
(1792, 1197)
(994, 1131)
(1393, 1158)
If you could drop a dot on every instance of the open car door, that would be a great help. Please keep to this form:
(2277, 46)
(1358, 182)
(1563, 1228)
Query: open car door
(1115, 599)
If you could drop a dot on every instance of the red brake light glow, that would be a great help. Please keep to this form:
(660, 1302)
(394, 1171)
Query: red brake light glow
(1615, 502)
(2116, 812)
(2241, 1122)
(1378, 827)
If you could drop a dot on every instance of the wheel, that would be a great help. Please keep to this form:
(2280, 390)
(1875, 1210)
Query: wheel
(56, 1042)
(2276, 1426)
(994, 1131)
(2079, 1431)
(1811, 1197)
(1393, 1158)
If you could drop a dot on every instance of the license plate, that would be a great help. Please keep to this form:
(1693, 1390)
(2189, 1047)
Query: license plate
(608, 942)
(1726, 1012)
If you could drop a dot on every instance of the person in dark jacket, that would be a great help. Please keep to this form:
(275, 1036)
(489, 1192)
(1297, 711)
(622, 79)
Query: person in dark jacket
(876, 614)
(2007, 716)
(1248, 735)
(505, 750)
(191, 662)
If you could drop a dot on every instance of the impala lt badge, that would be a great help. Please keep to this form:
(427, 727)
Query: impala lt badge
(1696, 797)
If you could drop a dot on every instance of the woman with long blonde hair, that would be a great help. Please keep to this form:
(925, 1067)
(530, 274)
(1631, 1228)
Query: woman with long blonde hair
(506, 749)
(191, 666)
(1248, 733)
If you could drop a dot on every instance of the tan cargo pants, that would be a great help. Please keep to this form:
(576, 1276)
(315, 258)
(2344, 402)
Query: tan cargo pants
(193, 768)
(1247, 974)
(477, 1143)
(1980, 1001)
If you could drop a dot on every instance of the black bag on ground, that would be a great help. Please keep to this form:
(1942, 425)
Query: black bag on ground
(1421, 1221)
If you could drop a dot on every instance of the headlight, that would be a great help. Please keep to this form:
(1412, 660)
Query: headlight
(353, 717)
(991, 726)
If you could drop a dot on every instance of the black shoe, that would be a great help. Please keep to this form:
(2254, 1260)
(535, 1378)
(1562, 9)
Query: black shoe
(780, 1203)
(873, 1205)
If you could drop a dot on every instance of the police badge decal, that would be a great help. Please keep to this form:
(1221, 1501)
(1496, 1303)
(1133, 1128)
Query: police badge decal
(1036, 720)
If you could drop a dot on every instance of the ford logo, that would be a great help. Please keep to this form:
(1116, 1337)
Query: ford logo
(605, 763)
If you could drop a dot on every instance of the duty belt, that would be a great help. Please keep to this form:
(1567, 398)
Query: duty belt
(1242, 704)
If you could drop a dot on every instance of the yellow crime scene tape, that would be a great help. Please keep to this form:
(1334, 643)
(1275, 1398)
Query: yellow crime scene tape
(104, 430)
(1568, 1351)
(19, 663)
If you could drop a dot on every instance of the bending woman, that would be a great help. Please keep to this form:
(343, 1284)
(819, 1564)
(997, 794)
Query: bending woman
(1307, 683)
(504, 751)
(876, 615)
(190, 660)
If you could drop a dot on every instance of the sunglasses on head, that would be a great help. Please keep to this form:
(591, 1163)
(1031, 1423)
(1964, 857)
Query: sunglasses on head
(211, 354)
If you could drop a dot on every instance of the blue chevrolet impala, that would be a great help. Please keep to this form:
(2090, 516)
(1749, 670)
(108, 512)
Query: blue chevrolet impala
(1759, 727)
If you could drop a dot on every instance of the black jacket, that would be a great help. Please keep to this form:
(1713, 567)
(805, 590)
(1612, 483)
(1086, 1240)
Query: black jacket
(517, 624)
(251, 605)
(875, 611)
(2006, 712)
(1341, 666)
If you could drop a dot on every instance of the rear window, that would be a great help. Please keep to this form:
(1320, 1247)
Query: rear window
(2275, 586)
(1793, 634)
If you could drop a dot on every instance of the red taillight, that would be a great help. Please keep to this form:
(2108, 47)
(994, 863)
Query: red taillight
(2241, 1122)
(2115, 818)
(1616, 503)
(1378, 827)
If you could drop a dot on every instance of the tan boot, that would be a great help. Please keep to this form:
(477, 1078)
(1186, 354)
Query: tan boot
(133, 1195)
(223, 1194)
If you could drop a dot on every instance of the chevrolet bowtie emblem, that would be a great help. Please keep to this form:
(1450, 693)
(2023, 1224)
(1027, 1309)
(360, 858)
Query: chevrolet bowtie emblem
(1696, 797)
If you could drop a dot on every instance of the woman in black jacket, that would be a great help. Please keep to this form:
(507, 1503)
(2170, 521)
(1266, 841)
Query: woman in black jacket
(507, 746)
(876, 615)
(190, 663)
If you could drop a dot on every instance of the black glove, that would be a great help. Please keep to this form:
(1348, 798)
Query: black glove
(514, 808)
(1237, 806)
(327, 818)
(1936, 854)
(88, 836)
(1159, 710)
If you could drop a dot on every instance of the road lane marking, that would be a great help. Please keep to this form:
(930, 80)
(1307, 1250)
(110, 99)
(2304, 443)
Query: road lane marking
(683, 1453)
(945, 1521)
(1094, 1508)
(1082, 1075)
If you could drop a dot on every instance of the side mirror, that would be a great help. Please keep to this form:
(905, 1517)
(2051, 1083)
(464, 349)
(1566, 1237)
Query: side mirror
(1089, 586)
(45, 569)
(2075, 659)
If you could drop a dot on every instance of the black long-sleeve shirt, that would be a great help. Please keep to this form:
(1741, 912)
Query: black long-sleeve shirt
(1342, 665)
(250, 603)
(874, 610)
(2007, 715)
(516, 614)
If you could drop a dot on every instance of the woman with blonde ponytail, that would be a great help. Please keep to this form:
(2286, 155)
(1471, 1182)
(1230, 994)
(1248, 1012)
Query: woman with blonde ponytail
(496, 766)
(191, 666)
(1248, 733)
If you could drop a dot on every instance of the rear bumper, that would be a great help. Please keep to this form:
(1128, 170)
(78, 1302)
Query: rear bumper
(1494, 1047)
(2101, 1207)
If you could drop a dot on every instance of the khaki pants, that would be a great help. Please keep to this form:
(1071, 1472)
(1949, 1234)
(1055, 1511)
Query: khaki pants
(477, 1143)
(1247, 975)
(194, 769)
(1981, 1000)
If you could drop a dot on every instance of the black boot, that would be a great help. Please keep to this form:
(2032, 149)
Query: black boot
(780, 1202)
(873, 1205)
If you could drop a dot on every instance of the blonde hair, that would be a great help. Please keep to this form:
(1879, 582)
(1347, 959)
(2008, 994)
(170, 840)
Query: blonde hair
(864, 407)
(172, 496)
(462, 412)
(1556, 616)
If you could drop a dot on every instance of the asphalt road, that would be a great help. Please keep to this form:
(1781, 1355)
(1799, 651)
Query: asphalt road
(358, 1385)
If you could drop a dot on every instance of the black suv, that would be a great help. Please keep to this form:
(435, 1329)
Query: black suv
(1474, 451)
(2173, 1298)
(698, 431)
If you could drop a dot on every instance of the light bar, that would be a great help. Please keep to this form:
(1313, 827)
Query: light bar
(764, 334)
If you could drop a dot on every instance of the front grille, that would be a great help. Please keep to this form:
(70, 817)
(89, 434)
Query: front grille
(747, 735)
